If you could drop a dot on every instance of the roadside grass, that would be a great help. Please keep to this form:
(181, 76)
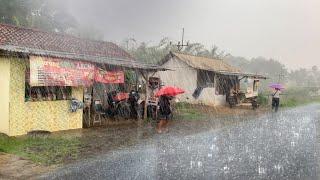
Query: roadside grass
(294, 102)
(43, 150)
(298, 96)
(187, 111)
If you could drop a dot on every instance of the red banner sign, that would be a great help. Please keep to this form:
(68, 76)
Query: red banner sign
(112, 77)
(45, 71)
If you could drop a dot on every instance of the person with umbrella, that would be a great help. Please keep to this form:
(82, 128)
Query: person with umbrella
(166, 94)
(276, 95)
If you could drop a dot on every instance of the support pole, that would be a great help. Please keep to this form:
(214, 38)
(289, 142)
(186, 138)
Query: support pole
(145, 115)
(136, 80)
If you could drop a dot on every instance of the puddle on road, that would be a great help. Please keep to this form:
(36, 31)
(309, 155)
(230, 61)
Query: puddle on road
(101, 140)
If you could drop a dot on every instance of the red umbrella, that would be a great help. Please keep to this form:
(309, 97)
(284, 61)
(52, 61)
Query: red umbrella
(169, 91)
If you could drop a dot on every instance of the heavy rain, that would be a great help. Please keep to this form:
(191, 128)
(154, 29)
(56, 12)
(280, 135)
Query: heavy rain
(159, 89)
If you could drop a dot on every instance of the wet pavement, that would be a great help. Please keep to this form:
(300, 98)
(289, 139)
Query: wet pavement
(283, 145)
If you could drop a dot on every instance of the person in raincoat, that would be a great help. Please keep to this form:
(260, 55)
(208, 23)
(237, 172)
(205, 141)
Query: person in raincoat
(276, 99)
(165, 113)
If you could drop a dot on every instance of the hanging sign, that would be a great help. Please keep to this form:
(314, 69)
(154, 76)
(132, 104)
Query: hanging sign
(47, 71)
(109, 77)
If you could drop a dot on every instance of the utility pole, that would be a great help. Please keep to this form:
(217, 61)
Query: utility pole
(181, 44)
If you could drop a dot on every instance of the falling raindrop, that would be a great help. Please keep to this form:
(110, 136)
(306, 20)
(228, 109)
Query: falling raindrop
(278, 167)
(261, 170)
(192, 163)
(226, 169)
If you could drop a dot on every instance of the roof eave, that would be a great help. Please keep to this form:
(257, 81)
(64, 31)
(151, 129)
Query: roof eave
(127, 63)
(251, 75)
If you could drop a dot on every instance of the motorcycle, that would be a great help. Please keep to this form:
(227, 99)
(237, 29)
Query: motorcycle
(136, 109)
(118, 105)
(152, 108)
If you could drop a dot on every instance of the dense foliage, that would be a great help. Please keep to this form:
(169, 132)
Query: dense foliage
(45, 15)
(36, 14)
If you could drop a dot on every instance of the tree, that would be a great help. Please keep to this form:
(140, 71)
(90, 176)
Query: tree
(146, 53)
(305, 77)
(195, 49)
(13, 12)
(199, 49)
(315, 68)
(36, 14)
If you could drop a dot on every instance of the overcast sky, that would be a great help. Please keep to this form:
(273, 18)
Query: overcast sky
(287, 30)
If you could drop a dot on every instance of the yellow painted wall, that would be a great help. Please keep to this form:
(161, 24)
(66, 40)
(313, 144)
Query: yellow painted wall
(4, 95)
(43, 115)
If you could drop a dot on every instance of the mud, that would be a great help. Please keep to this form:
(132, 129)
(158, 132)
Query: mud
(14, 167)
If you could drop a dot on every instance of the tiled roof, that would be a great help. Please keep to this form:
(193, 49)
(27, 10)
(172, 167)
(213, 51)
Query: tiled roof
(37, 42)
(58, 42)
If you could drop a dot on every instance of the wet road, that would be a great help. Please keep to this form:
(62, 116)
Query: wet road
(273, 146)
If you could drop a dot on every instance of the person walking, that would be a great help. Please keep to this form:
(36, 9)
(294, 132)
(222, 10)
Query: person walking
(276, 99)
(165, 113)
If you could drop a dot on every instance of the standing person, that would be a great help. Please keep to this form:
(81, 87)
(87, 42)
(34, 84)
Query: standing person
(276, 99)
(165, 113)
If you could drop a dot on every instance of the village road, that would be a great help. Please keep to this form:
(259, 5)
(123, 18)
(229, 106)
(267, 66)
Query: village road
(283, 145)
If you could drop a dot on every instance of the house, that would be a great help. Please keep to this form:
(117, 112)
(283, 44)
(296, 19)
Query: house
(40, 72)
(206, 81)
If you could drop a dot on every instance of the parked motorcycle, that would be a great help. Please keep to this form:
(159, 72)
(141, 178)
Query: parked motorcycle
(136, 109)
(152, 108)
(118, 105)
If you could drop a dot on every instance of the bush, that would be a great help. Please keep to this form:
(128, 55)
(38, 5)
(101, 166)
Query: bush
(262, 99)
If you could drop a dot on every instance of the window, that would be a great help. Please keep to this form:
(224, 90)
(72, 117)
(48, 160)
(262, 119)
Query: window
(220, 86)
(205, 79)
(50, 93)
(226, 83)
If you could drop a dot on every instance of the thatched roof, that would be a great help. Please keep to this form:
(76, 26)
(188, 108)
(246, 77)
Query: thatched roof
(202, 63)
(209, 64)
